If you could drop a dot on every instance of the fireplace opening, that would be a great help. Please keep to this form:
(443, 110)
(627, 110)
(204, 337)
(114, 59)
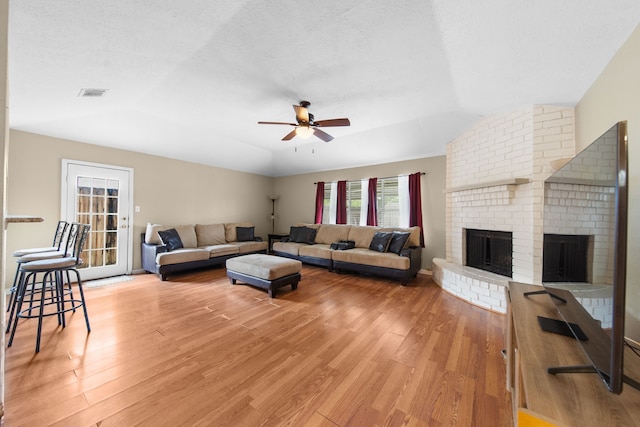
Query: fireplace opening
(490, 251)
(564, 258)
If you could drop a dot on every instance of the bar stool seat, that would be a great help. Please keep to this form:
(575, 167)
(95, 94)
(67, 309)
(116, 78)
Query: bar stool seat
(58, 238)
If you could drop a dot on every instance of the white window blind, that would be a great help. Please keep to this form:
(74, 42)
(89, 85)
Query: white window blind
(388, 202)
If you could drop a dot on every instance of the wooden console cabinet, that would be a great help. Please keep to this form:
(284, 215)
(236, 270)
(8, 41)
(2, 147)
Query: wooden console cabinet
(566, 399)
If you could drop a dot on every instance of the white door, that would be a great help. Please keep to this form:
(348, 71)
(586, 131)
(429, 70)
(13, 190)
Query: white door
(100, 195)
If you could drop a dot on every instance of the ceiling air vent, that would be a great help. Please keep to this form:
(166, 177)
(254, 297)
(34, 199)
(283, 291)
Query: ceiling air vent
(92, 93)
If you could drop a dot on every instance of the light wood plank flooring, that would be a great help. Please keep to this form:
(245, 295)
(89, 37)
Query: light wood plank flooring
(342, 350)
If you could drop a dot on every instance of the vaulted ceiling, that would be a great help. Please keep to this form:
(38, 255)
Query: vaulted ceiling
(190, 79)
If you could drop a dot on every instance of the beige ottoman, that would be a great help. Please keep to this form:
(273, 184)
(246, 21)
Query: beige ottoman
(264, 271)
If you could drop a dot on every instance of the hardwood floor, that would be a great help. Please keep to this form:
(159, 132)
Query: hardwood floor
(342, 350)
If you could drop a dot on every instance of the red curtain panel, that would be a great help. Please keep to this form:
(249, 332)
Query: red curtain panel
(341, 214)
(319, 202)
(372, 208)
(415, 204)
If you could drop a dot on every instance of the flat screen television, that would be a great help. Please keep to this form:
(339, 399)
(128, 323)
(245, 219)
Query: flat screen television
(585, 249)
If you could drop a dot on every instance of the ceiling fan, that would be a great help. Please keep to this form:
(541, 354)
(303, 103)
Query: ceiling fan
(307, 126)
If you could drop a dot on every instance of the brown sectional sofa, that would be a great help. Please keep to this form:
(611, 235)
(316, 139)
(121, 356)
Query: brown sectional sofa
(403, 266)
(204, 245)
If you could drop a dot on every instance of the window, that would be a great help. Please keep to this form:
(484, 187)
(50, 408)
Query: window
(354, 201)
(388, 202)
(326, 208)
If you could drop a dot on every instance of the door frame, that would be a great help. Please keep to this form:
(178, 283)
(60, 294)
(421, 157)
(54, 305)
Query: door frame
(64, 201)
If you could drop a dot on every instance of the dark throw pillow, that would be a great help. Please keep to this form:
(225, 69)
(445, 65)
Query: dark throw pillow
(303, 235)
(309, 235)
(245, 234)
(295, 234)
(380, 241)
(171, 239)
(398, 240)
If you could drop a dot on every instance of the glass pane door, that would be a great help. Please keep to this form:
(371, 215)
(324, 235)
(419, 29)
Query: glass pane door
(97, 204)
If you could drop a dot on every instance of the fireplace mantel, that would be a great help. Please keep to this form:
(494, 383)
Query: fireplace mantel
(511, 181)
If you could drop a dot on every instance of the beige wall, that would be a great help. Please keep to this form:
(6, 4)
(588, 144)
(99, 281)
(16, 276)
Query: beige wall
(297, 197)
(167, 191)
(615, 96)
(176, 192)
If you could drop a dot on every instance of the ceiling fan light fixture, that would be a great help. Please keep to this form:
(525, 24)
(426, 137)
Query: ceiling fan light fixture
(304, 131)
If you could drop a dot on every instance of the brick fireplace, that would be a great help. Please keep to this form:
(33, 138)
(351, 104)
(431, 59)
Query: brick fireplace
(495, 182)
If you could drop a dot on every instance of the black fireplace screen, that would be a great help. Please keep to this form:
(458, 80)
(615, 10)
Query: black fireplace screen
(490, 251)
(564, 258)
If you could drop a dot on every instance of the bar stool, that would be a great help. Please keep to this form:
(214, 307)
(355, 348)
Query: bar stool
(58, 238)
(54, 272)
(65, 238)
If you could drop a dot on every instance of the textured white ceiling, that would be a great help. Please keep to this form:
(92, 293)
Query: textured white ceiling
(190, 79)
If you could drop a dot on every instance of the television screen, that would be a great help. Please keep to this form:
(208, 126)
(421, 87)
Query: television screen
(584, 251)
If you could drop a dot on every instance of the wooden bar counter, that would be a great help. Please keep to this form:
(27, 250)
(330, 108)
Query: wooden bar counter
(575, 399)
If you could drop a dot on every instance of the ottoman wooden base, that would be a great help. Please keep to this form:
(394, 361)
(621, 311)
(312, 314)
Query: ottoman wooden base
(276, 272)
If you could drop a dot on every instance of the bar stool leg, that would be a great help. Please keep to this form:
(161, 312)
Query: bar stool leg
(14, 298)
(13, 290)
(20, 299)
(84, 304)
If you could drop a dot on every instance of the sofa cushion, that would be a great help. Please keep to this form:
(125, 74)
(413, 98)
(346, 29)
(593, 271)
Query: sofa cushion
(362, 235)
(171, 239)
(329, 233)
(398, 241)
(373, 258)
(380, 241)
(221, 250)
(182, 255)
(318, 250)
(210, 234)
(291, 248)
(151, 236)
(230, 234)
(187, 234)
(253, 246)
(245, 234)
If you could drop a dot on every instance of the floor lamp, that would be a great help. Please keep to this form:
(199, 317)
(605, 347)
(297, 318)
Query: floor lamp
(273, 199)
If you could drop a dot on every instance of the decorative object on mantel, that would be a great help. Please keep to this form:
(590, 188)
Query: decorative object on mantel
(558, 163)
(307, 126)
(273, 198)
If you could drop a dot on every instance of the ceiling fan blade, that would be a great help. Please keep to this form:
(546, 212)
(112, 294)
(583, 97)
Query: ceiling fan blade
(333, 122)
(322, 135)
(302, 114)
(289, 136)
(277, 123)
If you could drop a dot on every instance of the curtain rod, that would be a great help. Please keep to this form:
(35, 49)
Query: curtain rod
(385, 177)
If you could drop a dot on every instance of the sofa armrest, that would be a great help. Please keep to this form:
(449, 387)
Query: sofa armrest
(149, 253)
(414, 253)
